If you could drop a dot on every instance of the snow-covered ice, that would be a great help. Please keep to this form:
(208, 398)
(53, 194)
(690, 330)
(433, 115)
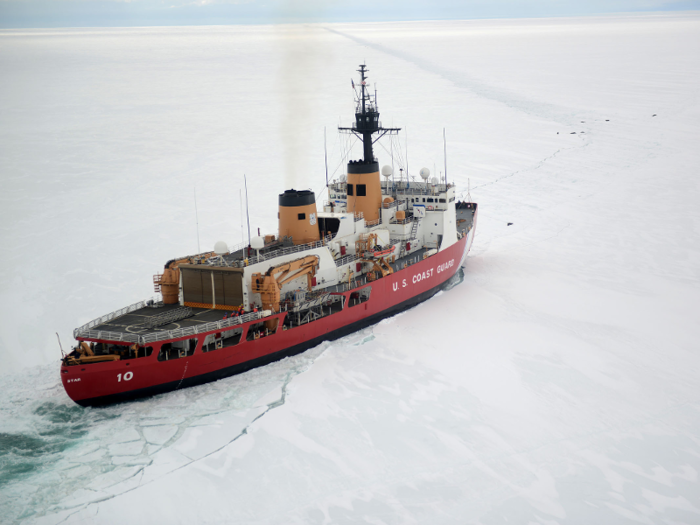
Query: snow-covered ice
(556, 382)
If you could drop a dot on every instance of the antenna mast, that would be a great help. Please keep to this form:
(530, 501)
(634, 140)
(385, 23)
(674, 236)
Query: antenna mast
(196, 216)
(325, 156)
(240, 199)
(247, 214)
(367, 118)
(406, 153)
(444, 146)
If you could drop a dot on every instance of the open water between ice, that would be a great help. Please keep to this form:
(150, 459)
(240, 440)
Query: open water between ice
(53, 451)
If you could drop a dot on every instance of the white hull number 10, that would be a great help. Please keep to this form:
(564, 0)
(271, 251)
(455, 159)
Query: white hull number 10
(127, 377)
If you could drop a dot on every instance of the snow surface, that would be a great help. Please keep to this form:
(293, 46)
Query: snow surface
(557, 382)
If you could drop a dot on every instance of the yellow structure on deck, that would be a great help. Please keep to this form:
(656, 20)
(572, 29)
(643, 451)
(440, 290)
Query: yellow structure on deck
(269, 284)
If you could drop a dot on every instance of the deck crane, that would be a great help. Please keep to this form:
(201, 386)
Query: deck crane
(168, 282)
(269, 284)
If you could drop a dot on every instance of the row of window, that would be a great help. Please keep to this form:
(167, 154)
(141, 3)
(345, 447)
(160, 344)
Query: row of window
(362, 192)
(430, 199)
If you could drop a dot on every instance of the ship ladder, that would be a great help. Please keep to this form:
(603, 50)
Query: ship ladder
(157, 282)
(414, 229)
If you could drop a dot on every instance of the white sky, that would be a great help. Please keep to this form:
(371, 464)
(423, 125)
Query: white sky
(79, 13)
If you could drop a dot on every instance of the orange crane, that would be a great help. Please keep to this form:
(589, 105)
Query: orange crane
(168, 282)
(269, 286)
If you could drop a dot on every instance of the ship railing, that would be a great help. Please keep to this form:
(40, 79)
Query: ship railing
(355, 283)
(290, 249)
(353, 124)
(346, 260)
(170, 334)
(238, 247)
(220, 260)
(424, 191)
(109, 317)
(205, 327)
(374, 223)
(403, 237)
(109, 336)
(359, 216)
(389, 205)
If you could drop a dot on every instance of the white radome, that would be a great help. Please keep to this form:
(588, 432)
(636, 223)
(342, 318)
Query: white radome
(343, 178)
(257, 243)
(220, 248)
(424, 173)
(387, 171)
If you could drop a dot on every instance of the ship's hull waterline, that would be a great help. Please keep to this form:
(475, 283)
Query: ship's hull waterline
(116, 381)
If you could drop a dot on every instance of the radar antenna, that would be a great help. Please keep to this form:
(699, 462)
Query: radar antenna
(367, 118)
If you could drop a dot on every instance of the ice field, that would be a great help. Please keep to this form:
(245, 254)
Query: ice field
(557, 381)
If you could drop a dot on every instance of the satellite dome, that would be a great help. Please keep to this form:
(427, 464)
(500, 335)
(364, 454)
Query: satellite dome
(220, 248)
(257, 243)
(343, 178)
(424, 173)
(387, 171)
(434, 180)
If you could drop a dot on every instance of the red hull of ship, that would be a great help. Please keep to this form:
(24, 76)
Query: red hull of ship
(101, 383)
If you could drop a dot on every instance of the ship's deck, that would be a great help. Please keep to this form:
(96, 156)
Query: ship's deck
(141, 321)
(136, 322)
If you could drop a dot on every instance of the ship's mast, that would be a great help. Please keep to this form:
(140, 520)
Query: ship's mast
(367, 118)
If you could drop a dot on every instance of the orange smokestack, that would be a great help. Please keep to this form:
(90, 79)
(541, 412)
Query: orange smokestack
(298, 218)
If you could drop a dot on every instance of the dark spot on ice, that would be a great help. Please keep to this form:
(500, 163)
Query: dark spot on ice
(510, 223)
(583, 132)
(654, 115)
(583, 122)
(557, 133)
(573, 133)
(607, 120)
